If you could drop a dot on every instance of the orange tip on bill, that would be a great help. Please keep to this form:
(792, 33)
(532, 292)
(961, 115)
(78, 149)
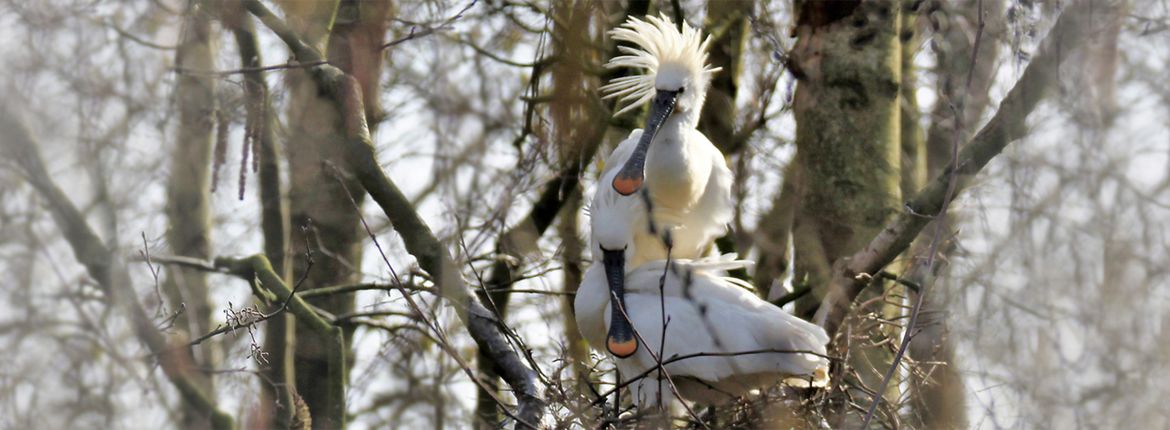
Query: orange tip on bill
(627, 185)
(621, 349)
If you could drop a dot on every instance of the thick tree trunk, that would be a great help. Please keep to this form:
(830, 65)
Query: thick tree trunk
(848, 59)
(1007, 125)
(188, 192)
(420, 241)
(774, 237)
(320, 210)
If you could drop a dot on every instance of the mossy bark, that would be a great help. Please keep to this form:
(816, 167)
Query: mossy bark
(848, 130)
(318, 199)
(277, 402)
(268, 286)
(417, 236)
(848, 59)
(319, 210)
(1007, 125)
(188, 193)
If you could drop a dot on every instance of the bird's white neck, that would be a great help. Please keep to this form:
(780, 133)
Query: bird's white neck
(681, 122)
(669, 148)
(670, 167)
(689, 118)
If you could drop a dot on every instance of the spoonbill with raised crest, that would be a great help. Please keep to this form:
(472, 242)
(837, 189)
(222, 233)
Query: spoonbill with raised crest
(686, 176)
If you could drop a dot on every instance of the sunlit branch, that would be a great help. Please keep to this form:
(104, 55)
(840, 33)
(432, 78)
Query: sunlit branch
(1008, 124)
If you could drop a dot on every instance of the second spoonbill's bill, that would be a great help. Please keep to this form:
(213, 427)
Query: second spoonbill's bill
(733, 340)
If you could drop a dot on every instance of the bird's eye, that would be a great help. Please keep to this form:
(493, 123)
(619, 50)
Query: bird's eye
(682, 90)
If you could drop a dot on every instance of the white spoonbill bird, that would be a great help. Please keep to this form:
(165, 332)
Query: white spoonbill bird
(705, 313)
(686, 176)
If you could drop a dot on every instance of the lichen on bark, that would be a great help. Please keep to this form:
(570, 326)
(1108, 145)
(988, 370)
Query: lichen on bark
(848, 136)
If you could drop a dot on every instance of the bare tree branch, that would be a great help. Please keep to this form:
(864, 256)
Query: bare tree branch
(274, 210)
(105, 267)
(1008, 125)
(416, 234)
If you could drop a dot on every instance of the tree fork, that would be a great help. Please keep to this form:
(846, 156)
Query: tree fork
(1008, 125)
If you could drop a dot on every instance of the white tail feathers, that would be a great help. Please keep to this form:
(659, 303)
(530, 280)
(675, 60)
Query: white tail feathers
(818, 379)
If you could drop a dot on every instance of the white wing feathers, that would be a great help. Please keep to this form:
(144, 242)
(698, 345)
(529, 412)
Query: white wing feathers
(726, 328)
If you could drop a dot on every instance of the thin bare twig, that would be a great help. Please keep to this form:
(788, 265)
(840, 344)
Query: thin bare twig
(264, 317)
(292, 64)
(415, 33)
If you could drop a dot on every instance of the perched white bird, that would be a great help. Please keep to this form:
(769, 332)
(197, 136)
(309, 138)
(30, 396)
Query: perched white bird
(741, 342)
(707, 313)
(686, 176)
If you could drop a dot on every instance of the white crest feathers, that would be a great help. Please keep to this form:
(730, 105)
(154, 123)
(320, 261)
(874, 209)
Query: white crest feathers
(659, 43)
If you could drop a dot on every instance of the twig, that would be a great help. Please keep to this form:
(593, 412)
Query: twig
(292, 64)
(796, 293)
(145, 253)
(264, 317)
(135, 38)
(428, 30)
(677, 358)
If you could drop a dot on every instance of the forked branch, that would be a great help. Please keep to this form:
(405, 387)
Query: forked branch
(1008, 125)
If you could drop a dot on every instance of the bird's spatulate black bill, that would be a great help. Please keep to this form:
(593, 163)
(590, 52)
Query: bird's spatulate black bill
(629, 179)
(620, 341)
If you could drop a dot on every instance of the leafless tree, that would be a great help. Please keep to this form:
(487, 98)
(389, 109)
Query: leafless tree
(366, 213)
